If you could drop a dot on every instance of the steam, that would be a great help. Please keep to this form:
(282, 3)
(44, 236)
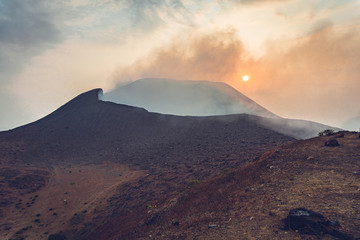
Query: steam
(213, 56)
(313, 78)
(352, 123)
(194, 98)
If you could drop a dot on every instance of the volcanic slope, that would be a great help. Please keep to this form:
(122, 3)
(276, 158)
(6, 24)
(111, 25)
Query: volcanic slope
(204, 98)
(185, 97)
(95, 169)
(252, 201)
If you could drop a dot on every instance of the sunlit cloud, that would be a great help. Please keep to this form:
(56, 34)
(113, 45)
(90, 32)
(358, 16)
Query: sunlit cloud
(297, 52)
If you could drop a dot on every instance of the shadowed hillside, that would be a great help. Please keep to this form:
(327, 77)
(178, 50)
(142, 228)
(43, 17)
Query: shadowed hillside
(100, 170)
(65, 172)
(252, 201)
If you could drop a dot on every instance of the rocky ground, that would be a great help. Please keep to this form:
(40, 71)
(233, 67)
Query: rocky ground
(96, 170)
(252, 201)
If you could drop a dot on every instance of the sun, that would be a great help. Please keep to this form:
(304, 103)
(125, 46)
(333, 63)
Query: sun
(245, 78)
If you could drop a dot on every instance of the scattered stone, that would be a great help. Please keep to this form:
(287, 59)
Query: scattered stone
(175, 223)
(271, 213)
(310, 158)
(152, 219)
(306, 221)
(334, 223)
(58, 236)
(212, 226)
(332, 143)
(23, 230)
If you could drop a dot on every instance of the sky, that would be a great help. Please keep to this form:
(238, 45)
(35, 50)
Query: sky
(302, 56)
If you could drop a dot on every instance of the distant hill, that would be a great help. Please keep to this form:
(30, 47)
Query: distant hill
(204, 98)
(190, 98)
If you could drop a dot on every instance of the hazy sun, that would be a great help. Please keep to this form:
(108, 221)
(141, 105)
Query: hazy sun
(245, 78)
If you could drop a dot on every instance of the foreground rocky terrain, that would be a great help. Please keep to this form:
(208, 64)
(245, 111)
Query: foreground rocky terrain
(66, 171)
(99, 170)
(252, 201)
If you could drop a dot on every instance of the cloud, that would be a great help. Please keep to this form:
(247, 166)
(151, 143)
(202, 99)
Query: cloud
(352, 123)
(203, 56)
(317, 78)
(314, 78)
(26, 28)
(255, 1)
(26, 23)
(60, 48)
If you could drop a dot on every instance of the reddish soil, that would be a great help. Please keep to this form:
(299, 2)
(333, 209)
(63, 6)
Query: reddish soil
(126, 173)
(157, 155)
(251, 201)
(68, 193)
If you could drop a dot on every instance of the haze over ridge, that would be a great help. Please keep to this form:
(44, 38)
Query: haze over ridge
(185, 97)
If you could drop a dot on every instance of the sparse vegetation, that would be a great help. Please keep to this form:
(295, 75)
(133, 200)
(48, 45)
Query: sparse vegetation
(149, 207)
(193, 182)
(72, 183)
(327, 132)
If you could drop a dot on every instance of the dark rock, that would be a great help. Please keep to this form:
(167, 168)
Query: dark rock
(309, 222)
(175, 223)
(212, 226)
(333, 223)
(152, 219)
(332, 143)
(58, 236)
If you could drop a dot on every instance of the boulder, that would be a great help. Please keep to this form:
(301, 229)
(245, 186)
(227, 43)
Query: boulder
(309, 222)
(332, 143)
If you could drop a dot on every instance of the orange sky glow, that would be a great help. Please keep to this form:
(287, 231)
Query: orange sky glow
(302, 56)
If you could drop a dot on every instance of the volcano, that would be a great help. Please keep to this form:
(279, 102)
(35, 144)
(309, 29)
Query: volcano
(94, 169)
(191, 98)
(60, 173)
(204, 98)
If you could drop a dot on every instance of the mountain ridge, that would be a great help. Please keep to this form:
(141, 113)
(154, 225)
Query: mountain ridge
(185, 98)
(100, 170)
